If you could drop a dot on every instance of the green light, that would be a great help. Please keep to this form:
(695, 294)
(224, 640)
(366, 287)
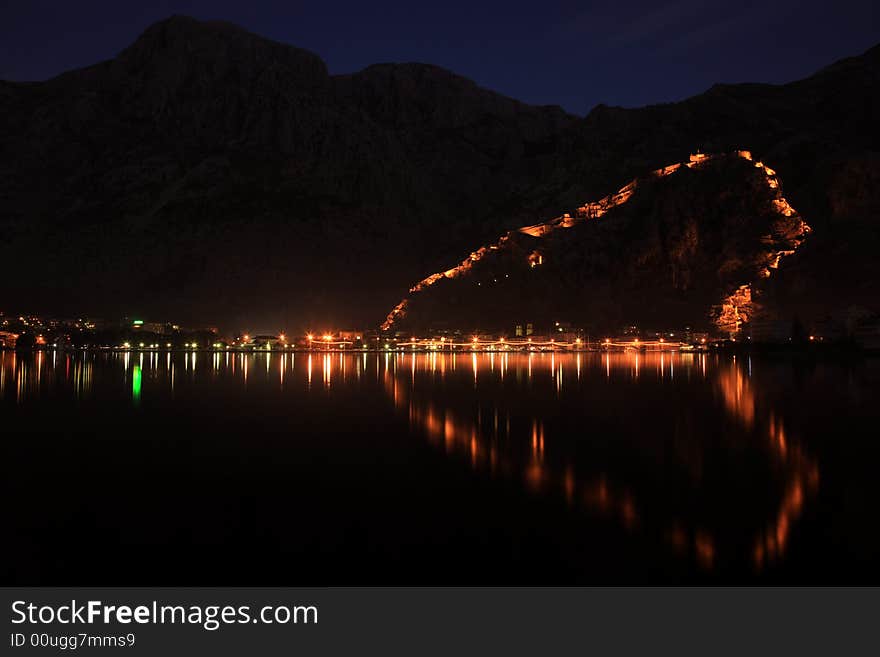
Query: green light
(136, 384)
(138, 322)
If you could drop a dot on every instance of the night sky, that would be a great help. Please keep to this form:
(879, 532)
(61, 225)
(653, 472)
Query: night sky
(574, 54)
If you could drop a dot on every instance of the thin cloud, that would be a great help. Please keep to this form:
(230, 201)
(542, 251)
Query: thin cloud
(669, 26)
(724, 26)
(659, 23)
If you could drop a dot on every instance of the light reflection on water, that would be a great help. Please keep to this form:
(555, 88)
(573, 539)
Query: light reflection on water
(565, 426)
(485, 448)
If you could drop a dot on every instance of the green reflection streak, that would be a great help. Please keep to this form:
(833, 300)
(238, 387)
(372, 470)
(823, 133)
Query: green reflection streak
(136, 384)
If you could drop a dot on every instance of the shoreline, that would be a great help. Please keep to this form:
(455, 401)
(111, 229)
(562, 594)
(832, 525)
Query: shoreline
(837, 350)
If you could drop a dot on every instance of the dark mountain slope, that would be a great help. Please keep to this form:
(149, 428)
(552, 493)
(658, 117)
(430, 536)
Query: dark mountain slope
(212, 172)
(686, 245)
(819, 134)
(207, 173)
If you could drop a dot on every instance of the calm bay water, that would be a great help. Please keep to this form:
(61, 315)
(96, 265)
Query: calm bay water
(317, 469)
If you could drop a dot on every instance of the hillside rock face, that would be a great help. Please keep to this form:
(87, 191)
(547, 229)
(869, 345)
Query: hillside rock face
(212, 175)
(666, 249)
(207, 174)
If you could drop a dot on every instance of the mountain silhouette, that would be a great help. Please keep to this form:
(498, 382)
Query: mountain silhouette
(210, 175)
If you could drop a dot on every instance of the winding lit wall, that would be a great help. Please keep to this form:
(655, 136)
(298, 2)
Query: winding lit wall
(729, 316)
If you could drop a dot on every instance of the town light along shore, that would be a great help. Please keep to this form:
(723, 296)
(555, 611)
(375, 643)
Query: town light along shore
(732, 313)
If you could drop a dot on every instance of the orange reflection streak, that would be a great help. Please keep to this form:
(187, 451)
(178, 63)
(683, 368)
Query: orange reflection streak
(21, 382)
(526, 451)
(737, 395)
(704, 549)
(802, 472)
(327, 367)
(462, 435)
(457, 435)
(569, 484)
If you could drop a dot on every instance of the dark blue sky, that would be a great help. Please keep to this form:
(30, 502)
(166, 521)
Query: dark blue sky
(575, 54)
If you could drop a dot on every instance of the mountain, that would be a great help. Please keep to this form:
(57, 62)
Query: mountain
(665, 248)
(207, 174)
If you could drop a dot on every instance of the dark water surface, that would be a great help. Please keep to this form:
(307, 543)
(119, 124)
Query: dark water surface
(321, 469)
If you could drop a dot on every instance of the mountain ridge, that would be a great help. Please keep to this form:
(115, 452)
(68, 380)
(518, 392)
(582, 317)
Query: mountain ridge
(735, 292)
(257, 189)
